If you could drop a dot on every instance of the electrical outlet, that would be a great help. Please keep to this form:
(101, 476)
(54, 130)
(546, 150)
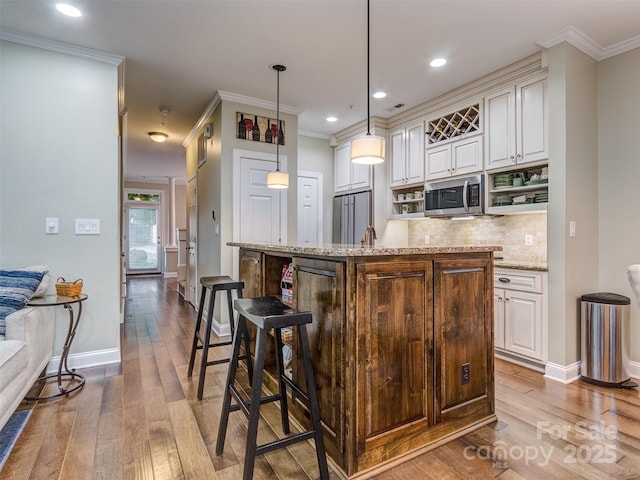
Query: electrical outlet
(427, 240)
(464, 373)
(528, 239)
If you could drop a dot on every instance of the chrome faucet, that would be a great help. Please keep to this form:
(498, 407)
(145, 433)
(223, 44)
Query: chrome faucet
(369, 236)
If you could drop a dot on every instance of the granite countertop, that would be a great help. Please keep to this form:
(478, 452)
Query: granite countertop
(521, 265)
(345, 250)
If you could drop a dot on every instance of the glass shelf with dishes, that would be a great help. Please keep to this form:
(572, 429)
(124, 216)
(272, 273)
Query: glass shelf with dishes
(521, 190)
(407, 202)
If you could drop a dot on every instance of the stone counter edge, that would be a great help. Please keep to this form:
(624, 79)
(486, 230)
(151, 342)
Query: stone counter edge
(357, 251)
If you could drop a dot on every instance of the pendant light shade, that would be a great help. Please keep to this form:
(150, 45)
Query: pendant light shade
(368, 150)
(278, 179)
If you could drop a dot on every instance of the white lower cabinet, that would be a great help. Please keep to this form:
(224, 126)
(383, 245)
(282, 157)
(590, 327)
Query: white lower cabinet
(520, 313)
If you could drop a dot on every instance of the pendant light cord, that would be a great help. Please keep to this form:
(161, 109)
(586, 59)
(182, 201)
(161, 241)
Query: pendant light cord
(368, 57)
(278, 120)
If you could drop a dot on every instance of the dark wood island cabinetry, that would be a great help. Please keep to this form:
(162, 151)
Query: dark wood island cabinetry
(401, 340)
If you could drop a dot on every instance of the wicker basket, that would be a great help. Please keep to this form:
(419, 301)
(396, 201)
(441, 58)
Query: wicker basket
(68, 289)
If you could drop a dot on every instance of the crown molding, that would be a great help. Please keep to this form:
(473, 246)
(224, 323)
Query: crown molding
(59, 47)
(221, 96)
(584, 43)
(256, 102)
(204, 118)
(322, 136)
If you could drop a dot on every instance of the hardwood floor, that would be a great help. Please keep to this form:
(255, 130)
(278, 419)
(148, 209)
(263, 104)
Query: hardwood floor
(141, 420)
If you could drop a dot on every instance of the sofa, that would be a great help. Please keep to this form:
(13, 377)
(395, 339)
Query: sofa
(26, 336)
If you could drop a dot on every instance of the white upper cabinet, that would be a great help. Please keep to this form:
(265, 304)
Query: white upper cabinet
(516, 122)
(406, 165)
(458, 158)
(348, 175)
(454, 143)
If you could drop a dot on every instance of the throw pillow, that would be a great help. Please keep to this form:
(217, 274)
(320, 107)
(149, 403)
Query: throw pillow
(41, 291)
(16, 289)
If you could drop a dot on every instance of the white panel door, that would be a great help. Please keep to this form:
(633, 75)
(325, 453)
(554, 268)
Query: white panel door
(260, 219)
(310, 208)
(192, 264)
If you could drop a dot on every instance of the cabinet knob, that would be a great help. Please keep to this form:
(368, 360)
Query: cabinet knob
(499, 298)
(512, 157)
(519, 155)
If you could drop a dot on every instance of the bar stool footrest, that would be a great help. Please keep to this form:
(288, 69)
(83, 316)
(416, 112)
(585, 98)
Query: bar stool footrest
(244, 404)
(285, 442)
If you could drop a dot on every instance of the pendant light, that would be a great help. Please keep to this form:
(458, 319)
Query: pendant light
(278, 179)
(160, 137)
(369, 149)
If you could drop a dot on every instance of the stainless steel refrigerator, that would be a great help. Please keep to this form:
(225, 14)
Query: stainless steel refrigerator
(352, 214)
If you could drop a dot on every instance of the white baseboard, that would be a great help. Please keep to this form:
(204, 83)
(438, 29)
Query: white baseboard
(87, 359)
(170, 274)
(220, 329)
(562, 373)
(634, 369)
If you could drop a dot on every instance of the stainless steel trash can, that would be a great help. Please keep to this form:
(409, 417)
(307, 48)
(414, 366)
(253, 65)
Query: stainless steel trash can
(605, 339)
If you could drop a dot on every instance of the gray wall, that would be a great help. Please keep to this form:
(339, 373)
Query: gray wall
(619, 177)
(59, 158)
(573, 191)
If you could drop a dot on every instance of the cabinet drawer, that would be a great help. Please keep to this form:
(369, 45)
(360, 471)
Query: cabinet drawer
(522, 280)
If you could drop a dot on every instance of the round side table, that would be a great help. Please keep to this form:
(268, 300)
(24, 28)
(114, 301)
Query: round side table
(64, 373)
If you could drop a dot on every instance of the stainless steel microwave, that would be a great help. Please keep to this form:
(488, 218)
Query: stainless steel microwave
(455, 197)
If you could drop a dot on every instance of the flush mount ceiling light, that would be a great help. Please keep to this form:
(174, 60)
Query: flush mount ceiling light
(332, 119)
(369, 149)
(379, 95)
(68, 10)
(160, 137)
(278, 179)
(438, 62)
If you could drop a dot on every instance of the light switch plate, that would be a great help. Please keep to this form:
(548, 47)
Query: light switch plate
(51, 226)
(87, 226)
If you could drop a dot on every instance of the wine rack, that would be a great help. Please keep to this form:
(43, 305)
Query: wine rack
(462, 122)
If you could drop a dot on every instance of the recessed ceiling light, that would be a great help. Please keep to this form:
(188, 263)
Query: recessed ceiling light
(332, 119)
(379, 95)
(68, 10)
(438, 62)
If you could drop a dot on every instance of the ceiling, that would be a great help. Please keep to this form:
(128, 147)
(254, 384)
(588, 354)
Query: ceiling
(179, 53)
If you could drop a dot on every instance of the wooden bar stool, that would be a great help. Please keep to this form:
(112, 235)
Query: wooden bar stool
(215, 285)
(268, 313)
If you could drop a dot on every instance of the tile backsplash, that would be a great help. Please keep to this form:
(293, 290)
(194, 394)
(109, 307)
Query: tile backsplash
(509, 231)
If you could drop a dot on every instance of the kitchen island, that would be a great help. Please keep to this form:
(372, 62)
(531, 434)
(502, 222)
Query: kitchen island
(401, 340)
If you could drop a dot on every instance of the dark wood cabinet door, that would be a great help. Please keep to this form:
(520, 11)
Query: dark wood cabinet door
(394, 325)
(251, 273)
(463, 337)
(319, 287)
